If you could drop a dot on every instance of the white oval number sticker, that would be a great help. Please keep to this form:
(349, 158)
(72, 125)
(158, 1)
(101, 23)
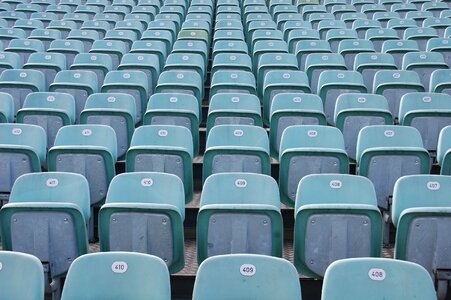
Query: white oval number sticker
(146, 182)
(248, 270)
(335, 184)
(312, 133)
(238, 132)
(86, 132)
(241, 183)
(376, 274)
(389, 133)
(52, 182)
(119, 267)
(16, 131)
(163, 133)
(433, 185)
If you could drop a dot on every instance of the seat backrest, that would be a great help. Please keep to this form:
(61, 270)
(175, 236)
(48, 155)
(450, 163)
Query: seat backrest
(256, 276)
(376, 278)
(124, 275)
(18, 270)
(238, 136)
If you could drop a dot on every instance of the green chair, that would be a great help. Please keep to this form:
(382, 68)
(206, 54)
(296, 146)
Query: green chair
(350, 48)
(98, 63)
(309, 149)
(231, 61)
(239, 213)
(262, 277)
(316, 63)
(175, 109)
(236, 148)
(368, 64)
(78, 83)
(139, 217)
(442, 46)
(123, 35)
(226, 81)
(19, 269)
(192, 46)
(306, 47)
(115, 49)
(440, 81)
(116, 110)
(289, 109)
(24, 47)
(186, 62)
(397, 49)
(335, 36)
(46, 36)
(163, 148)
(48, 63)
(84, 35)
(393, 84)
(70, 48)
(400, 25)
(234, 109)
(8, 34)
(380, 35)
(376, 278)
(297, 35)
(273, 61)
(443, 147)
(420, 212)
(419, 16)
(424, 63)
(123, 275)
(325, 25)
(51, 111)
(151, 47)
(185, 82)
(427, 112)
(100, 26)
(9, 60)
(7, 108)
(129, 82)
(336, 217)
(354, 111)
(334, 83)
(52, 205)
(362, 26)
(421, 35)
(385, 153)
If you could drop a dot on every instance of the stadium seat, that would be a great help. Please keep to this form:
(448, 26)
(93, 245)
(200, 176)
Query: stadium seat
(443, 151)
(362, 26)
(400, 25)
(334, 83)
(253, 278)
(9, 60)
(225, 81)
(309, 149)
(48, 63)
(231, 61)
(421, 35)
(51, 111)
(419, 16)
(163, 148)
(84, 35)
(7, 108)
(440, 81)
(24, 47)
(316, 63)
(100, 26)
(397, 49)
(335, 36)
(334, 222)
(123, 35)
(148, 63)
(46, 36)
(117, 275)
(139, 217)
(442, 46)
(420, 213)
(19, 83)
(374, 278)
(116, 110)
(151, 47)
(186, 62)
(51, 205)
(297, 35)
(185, 82)
(70, 48)
(325, 25)
(78, 83)
(355, 111)
(19, 269)
(393, 84)
(233, 109)
(305, 47)
(175, 109)
(115, 49)
(239, 213)
(27, 25)
(380, 35)
(350, 48)
(98, 63)
(424, 64)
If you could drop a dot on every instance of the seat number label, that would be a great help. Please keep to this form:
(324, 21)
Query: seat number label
(52, 182)
(433, 185)
(147, 182)
(248, 270)
(335, 184)
(119, 267)
(376, 274)
(241, 183)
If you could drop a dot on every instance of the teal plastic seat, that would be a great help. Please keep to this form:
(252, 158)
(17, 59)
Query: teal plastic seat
(84, 35)
(335, 36)
(70, 48)
(236, 148)
(325, 25)
(8, 34)
(362, 26)
(419, 16)
(148, 11)
(387, 152)
(239, 213)
(233, 109)
(424, 64)
(439, 24)
(131, 24)
(266, 47)
(78, 146)
(124, 35)
(98, 63)
(227, 81)
(350, 48)
(79, 83)
(354, 111)
(443, 151)
(421, 35)
(400, 25)
(48, 63)
(89, 10)
(400, 279)
(394, 84)
(175, 109)
(380, 35)
(434, 8)
(129, 82)
(9, 60)
(151, 47)
(297, 35)
(231, 61)
(186, 62)
(334, 83)
(403, 8)
(39, 202)
(306, 47)
(7, 108)
(293, 24)
(51, 111)
(100, 26)
(116, 110)
(371, 9)
(440, 81)
(220, 272)
(146, 219)
(397, 49)
(144, 275)
(18, 269)
(163, 148)
(192, 46)
(19, 83)
(385, 16)
(273, 61)
(309, 149)
(368, 64)
(115, 49)
(78, 18)
(147, 63)
(46, 36)
(27, 25)
(282, 81)
(442, 46)
(316, 63)
(327, 203)
(20, 143)
(289, 109)
(24, 47)
(428, 112)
